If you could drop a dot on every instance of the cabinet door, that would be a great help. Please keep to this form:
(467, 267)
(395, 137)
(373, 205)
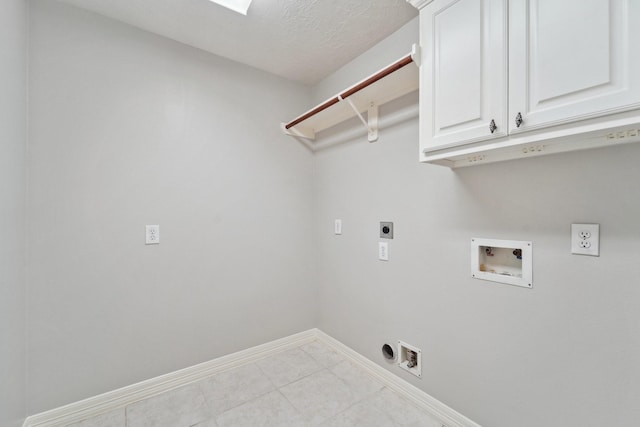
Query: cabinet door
(572, 60)
(463, 87)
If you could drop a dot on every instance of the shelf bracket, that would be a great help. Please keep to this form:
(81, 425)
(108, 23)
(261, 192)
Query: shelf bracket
(300, 133)
(416, 57)
(372, 114)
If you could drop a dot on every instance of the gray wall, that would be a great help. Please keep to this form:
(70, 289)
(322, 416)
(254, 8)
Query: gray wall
(13, 137)
(129, 129)
(564, 353)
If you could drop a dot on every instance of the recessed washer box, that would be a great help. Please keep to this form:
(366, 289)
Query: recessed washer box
(410, 358)
(502, 261)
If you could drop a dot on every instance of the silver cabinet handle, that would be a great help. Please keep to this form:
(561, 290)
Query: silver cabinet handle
(518, 120)
(492, 126)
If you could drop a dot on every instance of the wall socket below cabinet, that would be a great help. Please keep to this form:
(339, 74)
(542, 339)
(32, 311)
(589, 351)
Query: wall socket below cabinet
(585, 239)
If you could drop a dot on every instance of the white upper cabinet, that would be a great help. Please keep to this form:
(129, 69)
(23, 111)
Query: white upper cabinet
(551, 75)
(464, 72)
(571, 60)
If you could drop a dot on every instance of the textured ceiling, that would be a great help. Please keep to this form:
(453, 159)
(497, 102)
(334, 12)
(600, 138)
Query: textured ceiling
(303, 40)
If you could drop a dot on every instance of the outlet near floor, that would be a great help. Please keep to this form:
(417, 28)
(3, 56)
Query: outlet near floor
(410, 358)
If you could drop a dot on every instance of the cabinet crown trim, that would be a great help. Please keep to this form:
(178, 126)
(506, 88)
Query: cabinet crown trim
(419, 4)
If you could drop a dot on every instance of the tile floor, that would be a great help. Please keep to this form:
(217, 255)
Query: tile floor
(308, 386)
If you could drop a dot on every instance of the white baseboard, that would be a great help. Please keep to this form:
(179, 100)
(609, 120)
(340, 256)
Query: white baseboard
(446, 415)
(122, 397)
(112, 400)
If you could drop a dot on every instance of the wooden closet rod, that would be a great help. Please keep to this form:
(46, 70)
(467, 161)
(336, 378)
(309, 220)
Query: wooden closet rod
(368, 82)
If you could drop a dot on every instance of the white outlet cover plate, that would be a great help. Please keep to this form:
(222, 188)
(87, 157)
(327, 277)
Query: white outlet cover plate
(152, 234)
(383, 251)
(581, 245)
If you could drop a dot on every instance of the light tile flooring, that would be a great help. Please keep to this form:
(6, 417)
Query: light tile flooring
(308, 386)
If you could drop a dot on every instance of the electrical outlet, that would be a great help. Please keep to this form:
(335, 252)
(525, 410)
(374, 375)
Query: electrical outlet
(152, 236)
(585, 239)
(386, 230)
(584, 234)
(584, 244)
(383, 251)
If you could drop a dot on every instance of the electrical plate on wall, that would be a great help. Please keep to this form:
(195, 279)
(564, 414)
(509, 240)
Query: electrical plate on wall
(585, 239)
(152, 235)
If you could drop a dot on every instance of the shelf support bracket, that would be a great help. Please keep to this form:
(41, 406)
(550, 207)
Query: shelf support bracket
(300, 133)
(416, 56)
(372, 114)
